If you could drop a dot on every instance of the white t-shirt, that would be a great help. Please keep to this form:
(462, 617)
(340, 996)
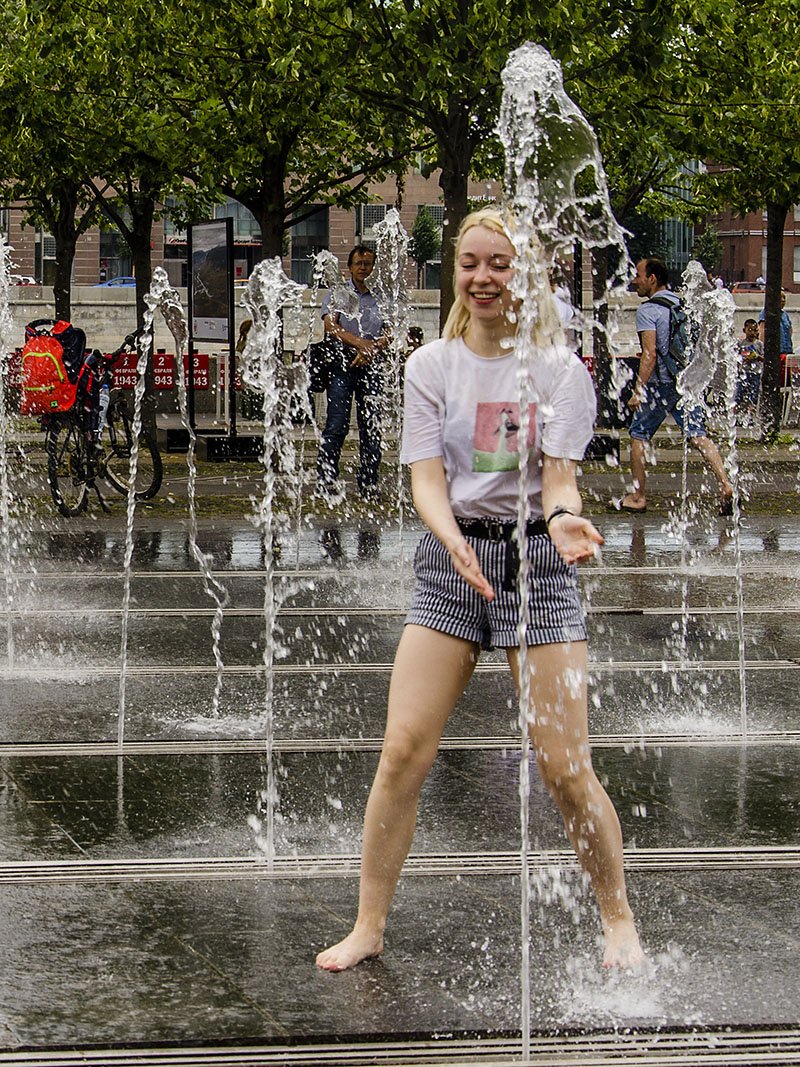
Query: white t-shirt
(465, 408)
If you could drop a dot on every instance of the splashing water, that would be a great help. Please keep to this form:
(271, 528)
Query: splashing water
(388, 284)
(713, 333)
(6, 343)
(711, 325)
(326, 271)
(269, 293)
(388, 280)
(164, 298)
(144, 347)
(554, 171)
(556, 194)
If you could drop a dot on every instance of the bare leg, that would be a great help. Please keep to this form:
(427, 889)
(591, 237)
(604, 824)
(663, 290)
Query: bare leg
(560, 740)
(431, 670)
(710, 453)
(638, 498)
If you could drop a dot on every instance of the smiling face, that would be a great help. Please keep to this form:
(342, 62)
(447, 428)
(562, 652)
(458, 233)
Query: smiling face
(483, 271)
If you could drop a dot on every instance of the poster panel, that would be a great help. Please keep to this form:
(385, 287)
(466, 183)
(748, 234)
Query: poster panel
(210, 280)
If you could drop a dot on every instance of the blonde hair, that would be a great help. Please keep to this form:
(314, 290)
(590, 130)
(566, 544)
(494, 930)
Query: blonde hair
(547, 329)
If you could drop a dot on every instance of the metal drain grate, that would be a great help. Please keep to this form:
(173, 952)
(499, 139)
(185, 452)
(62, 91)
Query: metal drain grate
(446, 865)
(748, 1048)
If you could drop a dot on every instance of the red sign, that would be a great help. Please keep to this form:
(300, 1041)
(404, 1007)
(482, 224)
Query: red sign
(125, 372)
(164, 370)
(223, 376)
(202, 372)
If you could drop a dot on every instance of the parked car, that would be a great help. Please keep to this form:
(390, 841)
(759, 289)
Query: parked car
(23, 279)
(116, 281)
(747, 287)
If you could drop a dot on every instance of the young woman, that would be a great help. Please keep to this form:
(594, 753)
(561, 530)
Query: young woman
(461, 418)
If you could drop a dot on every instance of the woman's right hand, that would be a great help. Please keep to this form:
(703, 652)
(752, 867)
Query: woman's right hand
(466, 564)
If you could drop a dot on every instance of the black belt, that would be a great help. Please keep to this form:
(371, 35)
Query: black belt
(497, 530)
(502, 533)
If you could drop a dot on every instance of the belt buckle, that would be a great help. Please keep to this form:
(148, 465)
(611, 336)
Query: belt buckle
(495, 529)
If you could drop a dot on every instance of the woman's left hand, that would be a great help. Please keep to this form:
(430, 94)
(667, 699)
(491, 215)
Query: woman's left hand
(575, 538)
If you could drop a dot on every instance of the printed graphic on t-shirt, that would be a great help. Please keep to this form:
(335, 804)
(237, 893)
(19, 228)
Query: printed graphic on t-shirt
(495, 446)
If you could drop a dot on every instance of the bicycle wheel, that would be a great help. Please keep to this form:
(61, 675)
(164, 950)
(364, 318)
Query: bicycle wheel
(117, 442)
(67, 468)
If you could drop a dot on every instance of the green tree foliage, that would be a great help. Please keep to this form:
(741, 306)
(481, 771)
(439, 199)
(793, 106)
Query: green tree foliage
(646, 236)
(707, 248)
(426, 240)
(618, 69)
(93, 133)
(437, 64)
(273, 109)
(737, 106)
(44, 163)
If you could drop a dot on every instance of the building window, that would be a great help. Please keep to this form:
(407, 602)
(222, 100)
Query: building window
(308, 237)
(115, 256)
(44, 257)
(367, 217)
(174, 234)
(4, 221)
(796, 271)
(437, 213)
(432, 275)
(246, 230)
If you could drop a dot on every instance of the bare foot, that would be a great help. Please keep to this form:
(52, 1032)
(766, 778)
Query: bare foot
(632, 502)
(726, 502)
(355, 948)
(623, 949)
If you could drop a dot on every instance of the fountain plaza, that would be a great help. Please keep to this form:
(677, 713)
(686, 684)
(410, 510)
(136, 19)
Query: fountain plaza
(140, 921)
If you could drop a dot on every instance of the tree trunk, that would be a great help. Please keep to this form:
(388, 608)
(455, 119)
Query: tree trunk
(60, 212)
(608, 414)
(271, 217)
(771, 375)
(62, 282)
(453, 183)
(136, 226)
(140, 238)
(270, 213)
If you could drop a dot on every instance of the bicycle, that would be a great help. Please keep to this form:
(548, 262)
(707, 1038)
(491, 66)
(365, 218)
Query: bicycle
(78, 455)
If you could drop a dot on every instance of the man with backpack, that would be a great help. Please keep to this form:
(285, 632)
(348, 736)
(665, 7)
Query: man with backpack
(655, 394)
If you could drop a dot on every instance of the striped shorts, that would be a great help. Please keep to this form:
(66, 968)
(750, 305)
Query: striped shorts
(443, 601)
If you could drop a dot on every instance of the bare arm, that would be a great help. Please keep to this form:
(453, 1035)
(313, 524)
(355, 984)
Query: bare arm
(575, 538)
(429, 490)
(647, 364)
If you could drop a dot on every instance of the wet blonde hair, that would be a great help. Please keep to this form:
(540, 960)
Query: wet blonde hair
(548, 324)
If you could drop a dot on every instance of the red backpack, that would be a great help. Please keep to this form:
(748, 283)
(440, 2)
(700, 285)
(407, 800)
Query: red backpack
(52, 366)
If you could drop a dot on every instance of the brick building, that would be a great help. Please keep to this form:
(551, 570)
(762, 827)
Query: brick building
(102, 255)
(744, 244)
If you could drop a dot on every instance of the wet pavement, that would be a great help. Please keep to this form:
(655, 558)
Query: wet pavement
(137, 908)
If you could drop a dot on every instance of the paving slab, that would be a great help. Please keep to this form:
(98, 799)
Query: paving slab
(725, 796)
(191, 961)
(180, 957)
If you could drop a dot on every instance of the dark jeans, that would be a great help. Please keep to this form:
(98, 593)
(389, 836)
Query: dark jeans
(366, 385)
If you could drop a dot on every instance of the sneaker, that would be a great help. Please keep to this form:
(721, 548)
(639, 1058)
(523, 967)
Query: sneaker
(331, 493)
